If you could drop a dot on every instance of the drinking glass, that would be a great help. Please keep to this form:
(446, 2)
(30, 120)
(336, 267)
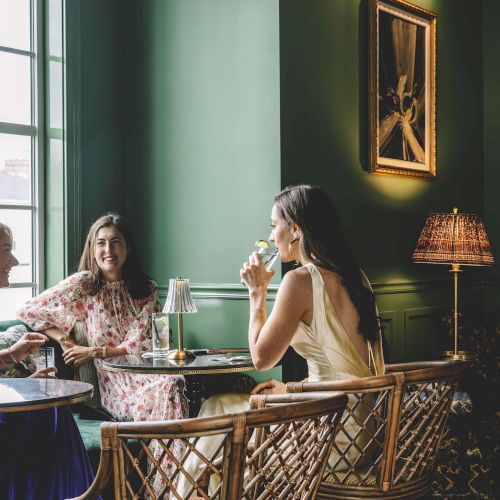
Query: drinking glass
(268, 253)
(44, 358)
(160, 330)
(268, 256)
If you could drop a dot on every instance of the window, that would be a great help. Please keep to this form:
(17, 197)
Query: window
(20, 145)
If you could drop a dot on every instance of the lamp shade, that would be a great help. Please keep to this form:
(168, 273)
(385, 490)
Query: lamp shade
(179, 298)
(454, 238)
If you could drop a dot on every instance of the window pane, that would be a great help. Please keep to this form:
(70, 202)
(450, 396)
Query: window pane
(15, 93)
(15, 24)
(20, 223)
(15, 169)
(54, 27)
(11, 299)
(56, 98)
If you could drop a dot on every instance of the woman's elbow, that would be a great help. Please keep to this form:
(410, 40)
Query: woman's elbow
(261, 363)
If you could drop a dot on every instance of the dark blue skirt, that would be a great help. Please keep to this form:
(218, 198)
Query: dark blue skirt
(42, 456)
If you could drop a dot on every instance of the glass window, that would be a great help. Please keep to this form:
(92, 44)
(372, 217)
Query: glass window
(15, 88)
(19, 156)
(15, 24)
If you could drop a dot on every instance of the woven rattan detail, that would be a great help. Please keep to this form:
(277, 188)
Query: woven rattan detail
(424, 411)
(352, 479)
(390, 431)
(269, 453)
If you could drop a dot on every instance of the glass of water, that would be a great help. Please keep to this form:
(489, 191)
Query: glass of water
(268, 253)
(44, 358)
(160, 330)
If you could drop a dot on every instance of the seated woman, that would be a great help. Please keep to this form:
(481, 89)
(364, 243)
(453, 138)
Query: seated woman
(42, 453)
(114, 299)
(325, 309)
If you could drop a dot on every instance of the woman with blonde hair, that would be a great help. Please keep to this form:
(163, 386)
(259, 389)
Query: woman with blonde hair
(42, 455)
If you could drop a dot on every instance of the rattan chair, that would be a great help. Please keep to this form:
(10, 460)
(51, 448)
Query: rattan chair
(404, 413)
(285, 457)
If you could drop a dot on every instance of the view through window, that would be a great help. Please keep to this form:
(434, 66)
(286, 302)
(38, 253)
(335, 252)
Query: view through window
(19, 146)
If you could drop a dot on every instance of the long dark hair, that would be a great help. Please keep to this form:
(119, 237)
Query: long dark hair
(137, 283)
(323, 242)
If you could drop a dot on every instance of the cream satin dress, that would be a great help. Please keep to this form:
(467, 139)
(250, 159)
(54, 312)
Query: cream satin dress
(330, 355)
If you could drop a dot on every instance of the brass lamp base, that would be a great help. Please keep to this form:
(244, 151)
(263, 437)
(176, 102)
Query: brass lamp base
(460, 355)
(180, 355)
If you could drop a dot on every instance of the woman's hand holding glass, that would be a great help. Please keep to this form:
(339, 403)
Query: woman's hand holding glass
(29, 343)
(253, 274)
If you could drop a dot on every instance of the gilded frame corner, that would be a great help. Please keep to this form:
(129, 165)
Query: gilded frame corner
(402, 89)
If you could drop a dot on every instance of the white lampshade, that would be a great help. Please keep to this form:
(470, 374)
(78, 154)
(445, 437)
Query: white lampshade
(179, 298)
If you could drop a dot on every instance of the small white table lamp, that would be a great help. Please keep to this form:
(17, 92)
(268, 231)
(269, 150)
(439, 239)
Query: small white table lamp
(179, 301)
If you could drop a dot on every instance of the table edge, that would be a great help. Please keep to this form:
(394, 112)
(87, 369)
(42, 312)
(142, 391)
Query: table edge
(51, 404)
(179, 370)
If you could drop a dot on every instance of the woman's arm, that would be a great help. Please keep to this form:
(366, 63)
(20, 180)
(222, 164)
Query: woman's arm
(77, 355)
(269, 338)
(55, 311)
(27, 344)
(63, 339)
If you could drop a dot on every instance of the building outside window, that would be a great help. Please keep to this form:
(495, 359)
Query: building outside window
(21, 145)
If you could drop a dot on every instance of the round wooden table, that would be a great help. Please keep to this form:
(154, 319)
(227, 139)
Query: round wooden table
(23, 394)
(206, 362)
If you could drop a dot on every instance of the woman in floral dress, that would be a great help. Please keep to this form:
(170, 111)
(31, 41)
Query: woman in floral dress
(114, 299)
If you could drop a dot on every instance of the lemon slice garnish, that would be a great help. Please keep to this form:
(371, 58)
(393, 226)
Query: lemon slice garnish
(262, 244)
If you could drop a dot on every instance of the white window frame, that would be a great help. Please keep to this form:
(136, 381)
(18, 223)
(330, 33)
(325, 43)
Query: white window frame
(37, 134)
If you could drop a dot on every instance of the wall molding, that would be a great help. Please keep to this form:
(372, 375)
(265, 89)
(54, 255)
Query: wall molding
(236, 291)
(224, 291)
(381, 288)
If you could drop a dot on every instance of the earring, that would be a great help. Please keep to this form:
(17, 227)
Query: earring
(292, 244)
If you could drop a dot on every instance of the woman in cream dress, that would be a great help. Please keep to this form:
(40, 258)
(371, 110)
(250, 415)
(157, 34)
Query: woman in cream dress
(325, 309)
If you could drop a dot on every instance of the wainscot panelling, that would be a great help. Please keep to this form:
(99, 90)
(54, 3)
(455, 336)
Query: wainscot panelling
(389, 324)
(221, 320)
(423, 327)
(412, 315)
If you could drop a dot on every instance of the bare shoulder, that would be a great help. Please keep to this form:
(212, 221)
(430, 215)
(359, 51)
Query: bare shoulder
(298, 277)
(297, 282)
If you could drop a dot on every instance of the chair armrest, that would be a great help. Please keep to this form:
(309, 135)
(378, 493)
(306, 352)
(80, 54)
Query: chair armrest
(86, 372)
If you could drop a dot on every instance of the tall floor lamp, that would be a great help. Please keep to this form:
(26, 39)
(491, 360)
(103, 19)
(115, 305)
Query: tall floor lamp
(455, 239)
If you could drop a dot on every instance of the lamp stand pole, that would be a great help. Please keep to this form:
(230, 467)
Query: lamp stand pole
(180, 354)
(456, 354)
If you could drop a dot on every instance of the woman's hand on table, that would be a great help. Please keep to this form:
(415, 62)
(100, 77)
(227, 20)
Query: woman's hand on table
(270, 387)
(45, 373)
(78, 355)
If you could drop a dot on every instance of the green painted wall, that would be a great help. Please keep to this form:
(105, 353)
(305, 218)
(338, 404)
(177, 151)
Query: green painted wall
(491, 57)
(324, 98)
(203, 155)
(324, 103)
(195, 113)
(491, 103)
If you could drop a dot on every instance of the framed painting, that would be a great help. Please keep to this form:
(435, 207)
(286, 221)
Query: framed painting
(402, 93)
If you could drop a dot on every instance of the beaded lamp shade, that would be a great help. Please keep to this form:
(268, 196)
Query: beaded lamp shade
(453, 238)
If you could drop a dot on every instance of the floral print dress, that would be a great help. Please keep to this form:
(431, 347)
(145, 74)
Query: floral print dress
(112, 318)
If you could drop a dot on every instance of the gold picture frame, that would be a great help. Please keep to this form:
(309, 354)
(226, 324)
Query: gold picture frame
(402, 89)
